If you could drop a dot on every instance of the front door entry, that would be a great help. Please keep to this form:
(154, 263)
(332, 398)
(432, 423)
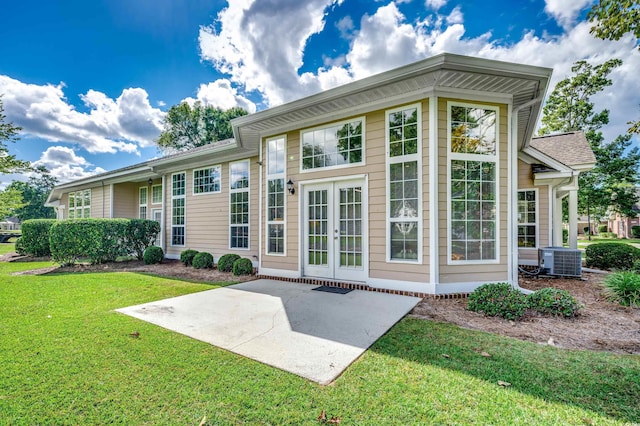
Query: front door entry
(335, 230)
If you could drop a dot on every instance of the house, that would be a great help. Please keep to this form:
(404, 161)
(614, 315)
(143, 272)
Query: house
(412, 180)
(621, 225)
(10, 224)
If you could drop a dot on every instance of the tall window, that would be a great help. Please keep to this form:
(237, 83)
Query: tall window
(143, 199)
(239, 205)
(527, 219)
(206, 180)
(178, 190)
(156, 194)
(80, 204)
(473, 160)
(404, 212)
(336, 145)
(276, 156)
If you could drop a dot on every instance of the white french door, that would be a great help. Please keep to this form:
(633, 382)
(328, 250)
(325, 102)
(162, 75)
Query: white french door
(335, 230)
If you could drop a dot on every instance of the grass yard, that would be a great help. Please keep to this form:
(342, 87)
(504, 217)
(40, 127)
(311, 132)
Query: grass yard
(7, 247)
(68, 358)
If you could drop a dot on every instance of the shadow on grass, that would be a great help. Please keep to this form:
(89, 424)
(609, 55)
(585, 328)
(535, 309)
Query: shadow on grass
(604, 383)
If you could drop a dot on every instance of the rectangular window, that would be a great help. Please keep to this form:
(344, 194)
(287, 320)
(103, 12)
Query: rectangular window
(276, 155)
(80, 204)
(527, 219)
(206, 180)
(473, 178)
(336, 145)
(178, 222)
(239, 205)
(404, 211)
(156, 194)
(143, 193)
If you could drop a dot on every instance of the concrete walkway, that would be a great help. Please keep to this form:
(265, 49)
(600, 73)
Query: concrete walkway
(313, 334)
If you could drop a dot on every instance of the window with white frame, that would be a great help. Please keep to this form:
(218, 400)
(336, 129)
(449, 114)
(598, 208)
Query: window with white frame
(404, 212)
(80, 204)
(156, 194)
(527, 218)
(143, 193)
(206, 180)
(276, 158)
(178, 219)
(239, 205)
(340, 144)
(473, 162)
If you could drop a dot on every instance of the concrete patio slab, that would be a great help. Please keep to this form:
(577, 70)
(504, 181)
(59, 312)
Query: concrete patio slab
(313, 334)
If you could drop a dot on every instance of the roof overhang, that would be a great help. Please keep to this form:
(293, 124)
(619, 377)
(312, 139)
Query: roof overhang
(445, 75)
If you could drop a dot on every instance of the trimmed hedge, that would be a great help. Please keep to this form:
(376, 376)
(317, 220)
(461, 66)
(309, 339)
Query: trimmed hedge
(499, 299)
(153, 255)
(554, 301)
(612, 256)
(225, 263)
(140, 234)
(203, 260)
(186, 256)
(35, 237)
(635, 231)
(603, 228)
(242, 266)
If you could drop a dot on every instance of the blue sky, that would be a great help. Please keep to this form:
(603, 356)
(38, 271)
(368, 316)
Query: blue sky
(89, 81)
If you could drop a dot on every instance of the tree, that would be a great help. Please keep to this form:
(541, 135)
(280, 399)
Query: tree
(615, 18)
(187, 126)
(10, 201)
(611, 183)
(9, 133)
(34, 194)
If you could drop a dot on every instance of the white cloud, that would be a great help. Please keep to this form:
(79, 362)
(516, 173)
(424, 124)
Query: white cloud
(346, 27)
(221, 94)
(64, 164)
(111, 125)
(435, 4)
(565, 12)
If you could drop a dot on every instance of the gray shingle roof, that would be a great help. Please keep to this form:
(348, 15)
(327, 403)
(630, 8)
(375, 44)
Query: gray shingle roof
(571, 149)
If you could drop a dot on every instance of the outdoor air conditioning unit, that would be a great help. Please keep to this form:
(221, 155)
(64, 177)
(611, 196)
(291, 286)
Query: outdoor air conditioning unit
(560, 261)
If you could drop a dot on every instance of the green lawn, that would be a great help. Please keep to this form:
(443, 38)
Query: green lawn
(67, 358)
(583, 242)
(6, 248)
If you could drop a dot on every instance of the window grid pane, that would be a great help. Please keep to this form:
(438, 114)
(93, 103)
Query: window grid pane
(178, 222)
(156, 194)
(332, 146)
(239, 205)
(473, 130)
(275, 215)
(527, 235)
(318, 228)
(206, 180)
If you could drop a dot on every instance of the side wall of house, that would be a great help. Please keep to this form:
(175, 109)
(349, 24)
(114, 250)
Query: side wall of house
(528, 256)
(125, 200)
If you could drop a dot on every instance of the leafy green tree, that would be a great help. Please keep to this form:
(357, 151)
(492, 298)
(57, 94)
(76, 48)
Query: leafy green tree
(10, 201)
(611, 183)
(9, 133)
(187, 126)
(34, 193)
(615, 18)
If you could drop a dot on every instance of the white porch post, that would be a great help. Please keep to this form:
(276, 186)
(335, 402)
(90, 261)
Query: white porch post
(557, 221)
(573, 219)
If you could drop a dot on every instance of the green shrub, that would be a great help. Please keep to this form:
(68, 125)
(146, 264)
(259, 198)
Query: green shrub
(140, 234)
(498, 300)
(612, 255)
(203, 260)
(225, 263)
(635, 231)
(610, 235)
(554, 301)
(99, 240)
(153, 255)
(624, 288)
(35, 237)
(565, 235)
(19, 248)
(603, 228)
(186, 257)
(636, 267)
(242, 266)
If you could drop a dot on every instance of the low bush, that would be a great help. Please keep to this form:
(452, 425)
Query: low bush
(499, 299)
(35, 237)
(242, 266)
(19, 248)
(153, 255)
(99, 240)
(612, 256)
(565, 235)
(186, 257)
(140, 234)
(554, 302)
(603, 228)
(203, 260)
(624, 288)
(635, 231)
(225, 263)
(607, 235)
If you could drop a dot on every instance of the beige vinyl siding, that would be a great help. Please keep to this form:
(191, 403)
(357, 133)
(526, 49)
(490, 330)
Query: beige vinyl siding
(475, 272)
(374, 168)
(207, 216)
(64, 201)
(525, 181)
(125, 200)
(100, 202)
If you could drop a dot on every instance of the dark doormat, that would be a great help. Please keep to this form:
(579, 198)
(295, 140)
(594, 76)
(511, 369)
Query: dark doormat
(337, 290)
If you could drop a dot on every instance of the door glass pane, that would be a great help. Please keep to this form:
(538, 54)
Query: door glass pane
(350, 227)
(318, 228)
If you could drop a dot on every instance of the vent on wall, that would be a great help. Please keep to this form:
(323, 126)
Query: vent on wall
(560, 261)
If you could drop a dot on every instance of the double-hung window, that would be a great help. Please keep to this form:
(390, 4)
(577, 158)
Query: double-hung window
(239, 205)
(80, 204)
(337, 145)
(473, 173)
(527, 218)
(143, 199)
(206, 180)
(276, 156)
(404, 211)
(156, 194)
(178, 214)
